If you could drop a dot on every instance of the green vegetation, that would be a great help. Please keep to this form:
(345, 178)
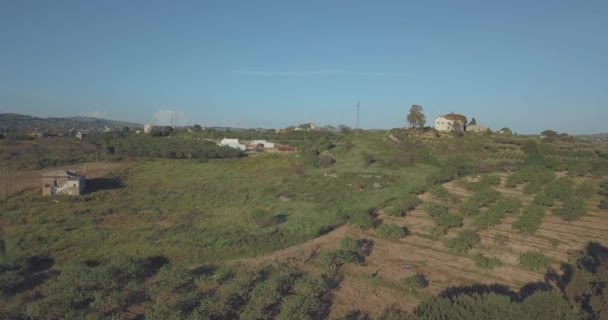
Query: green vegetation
(351, 251)
(543, 199)
(413, 283)
(391, 231)
(164, 236)
(496, 212)
(534, 261)
(464, 242)
(487, 263)
(404, 205)
(572, 209)
(439, 213)
(530, 219)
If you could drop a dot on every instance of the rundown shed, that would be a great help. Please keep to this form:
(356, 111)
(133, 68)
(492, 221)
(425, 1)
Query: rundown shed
(63, 182)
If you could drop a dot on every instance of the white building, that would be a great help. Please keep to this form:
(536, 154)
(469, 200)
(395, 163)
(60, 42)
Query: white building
(265, 144)
(233, 143)
(148, 128)
(451, 122)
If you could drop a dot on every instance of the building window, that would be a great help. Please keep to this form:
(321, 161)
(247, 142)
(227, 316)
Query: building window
(54, 183)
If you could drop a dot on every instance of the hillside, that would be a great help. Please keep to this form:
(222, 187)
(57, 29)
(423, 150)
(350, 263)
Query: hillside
(354, 226)
(19, 122)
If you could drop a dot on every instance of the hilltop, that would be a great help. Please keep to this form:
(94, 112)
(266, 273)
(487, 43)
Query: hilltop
(19, 122)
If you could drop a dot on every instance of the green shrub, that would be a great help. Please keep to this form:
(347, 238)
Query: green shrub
(530, 220)
(544, 200)
(486, 263)
(11, 274)
(533, 188)
(350, 252)
(496, 212)
(513, 180)
(391, 231)
(306, 301)
(442, 194)
(170, 279)
(579, 168)
(489, 179)
(435, 209)
(485, 197)
(362, 219)
(561, 189)
(400, 208)
(464, 242)
(584, 190)
(448, 220)
(572, 209)
(469, 208)
(413, 283)
(438, 231)
(534, 261)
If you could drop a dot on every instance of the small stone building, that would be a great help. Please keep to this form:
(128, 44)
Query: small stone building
(63, 182)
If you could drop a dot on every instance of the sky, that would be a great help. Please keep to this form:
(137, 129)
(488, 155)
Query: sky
(527, 65)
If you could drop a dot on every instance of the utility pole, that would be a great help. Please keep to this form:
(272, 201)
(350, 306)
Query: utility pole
(358, 107)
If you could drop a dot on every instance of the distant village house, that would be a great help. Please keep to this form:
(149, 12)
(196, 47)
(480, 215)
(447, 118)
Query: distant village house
(81, 134)
(148, 128)
(63, 182)
(451, 122)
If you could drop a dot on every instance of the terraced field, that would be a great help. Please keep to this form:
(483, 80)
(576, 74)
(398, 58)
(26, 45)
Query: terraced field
(374, 285)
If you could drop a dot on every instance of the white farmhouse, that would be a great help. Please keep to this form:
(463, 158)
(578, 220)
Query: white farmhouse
(451, 122)
(233, 143)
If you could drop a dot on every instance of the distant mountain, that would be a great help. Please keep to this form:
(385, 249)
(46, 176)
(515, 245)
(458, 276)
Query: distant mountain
(19, 122)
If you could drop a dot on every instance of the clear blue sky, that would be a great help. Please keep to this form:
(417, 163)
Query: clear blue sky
(528, 65)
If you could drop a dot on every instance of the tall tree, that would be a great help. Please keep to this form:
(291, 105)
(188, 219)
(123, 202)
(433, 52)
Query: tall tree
(416, 118)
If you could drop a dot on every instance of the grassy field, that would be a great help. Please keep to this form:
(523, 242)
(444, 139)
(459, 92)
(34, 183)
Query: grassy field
(203, 212)
(213, 233)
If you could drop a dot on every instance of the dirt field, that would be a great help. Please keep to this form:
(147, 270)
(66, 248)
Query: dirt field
(375, 285)
(16, 181)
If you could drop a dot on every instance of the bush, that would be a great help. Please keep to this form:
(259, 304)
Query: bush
(490, 180)
(604, 204)
(584, 190)
(544, 200)
(350, 252)
(400, 208)
(485, 197)
(464, 242)
(486, 263)
(448, 220)
(572, 209)
(362, 219)
(561, 189)
(171, 279)
(513, 180)
(11, 274)
(435, 209)
(533, 188)
(326, 159)
(391, 231)
(441, 193)
(534, 261)
(413, 283)
(530, 220)
(469, 208)
(306, 301)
